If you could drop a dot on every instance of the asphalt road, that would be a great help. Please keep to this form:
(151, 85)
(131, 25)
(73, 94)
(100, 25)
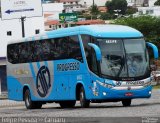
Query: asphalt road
(140, 108)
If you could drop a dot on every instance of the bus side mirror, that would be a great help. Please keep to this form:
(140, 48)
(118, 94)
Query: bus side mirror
(97, 51)
(155, 49)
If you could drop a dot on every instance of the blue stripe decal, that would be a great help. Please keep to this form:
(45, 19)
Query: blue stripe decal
(32, 68)
(46, 63)
(32, 71)
(53, 67)
(38, 65)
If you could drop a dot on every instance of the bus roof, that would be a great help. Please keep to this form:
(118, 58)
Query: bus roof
(104, 31)
(101, 31)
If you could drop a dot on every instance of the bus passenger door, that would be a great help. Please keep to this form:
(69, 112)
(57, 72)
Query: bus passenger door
(93, 66)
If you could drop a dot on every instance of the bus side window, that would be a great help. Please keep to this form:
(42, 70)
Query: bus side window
(74, 48)
(12, 53)
(22, 52)
(87, 39)
(60, 48)
(94, 62)
(90, 53)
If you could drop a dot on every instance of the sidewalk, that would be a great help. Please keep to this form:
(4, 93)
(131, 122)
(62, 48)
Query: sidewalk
(3, 95)
(10, 103)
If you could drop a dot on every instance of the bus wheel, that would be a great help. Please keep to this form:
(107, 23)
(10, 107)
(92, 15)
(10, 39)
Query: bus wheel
(67, 104)
(38, 105)
(29, 103)
(126, 102)
(84, 103)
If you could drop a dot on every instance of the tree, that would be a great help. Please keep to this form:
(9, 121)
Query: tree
(117, 5)
(94, 9)
(157, 3)
(148, 25)
(131, 10)
(107, 16)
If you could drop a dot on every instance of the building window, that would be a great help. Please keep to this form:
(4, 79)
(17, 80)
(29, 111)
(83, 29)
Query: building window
(140, 12)
(9, 33)
(37, 31)
(149, 11)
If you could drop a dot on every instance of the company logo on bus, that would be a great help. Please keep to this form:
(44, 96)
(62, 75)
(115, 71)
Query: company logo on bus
(118, 83)
(43, 81)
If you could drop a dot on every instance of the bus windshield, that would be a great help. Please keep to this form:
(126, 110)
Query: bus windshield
(126, 58)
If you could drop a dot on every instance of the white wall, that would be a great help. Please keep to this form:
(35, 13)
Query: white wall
(14, 25)
(31, 24)
(97, 2)
(156, 10)
(130, 2)
(151, 2)
(53, 8)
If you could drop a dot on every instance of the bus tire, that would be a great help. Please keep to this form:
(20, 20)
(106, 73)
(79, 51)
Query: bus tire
(83, 101)
(67, 104)
(29, 103)
(38, 105)
(126, 102)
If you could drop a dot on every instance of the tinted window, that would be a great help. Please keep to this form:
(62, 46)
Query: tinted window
(74, 50)
(90, 53)
(43, 50)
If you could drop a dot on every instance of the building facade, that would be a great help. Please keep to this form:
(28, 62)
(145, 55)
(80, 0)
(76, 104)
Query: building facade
(138, 3)
(73, 5)
(152, 11)
(12, 30)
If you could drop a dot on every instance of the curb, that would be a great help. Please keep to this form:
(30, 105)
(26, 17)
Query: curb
(9, 103)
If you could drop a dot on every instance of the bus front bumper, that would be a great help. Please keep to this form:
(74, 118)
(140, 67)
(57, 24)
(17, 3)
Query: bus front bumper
(113, 93)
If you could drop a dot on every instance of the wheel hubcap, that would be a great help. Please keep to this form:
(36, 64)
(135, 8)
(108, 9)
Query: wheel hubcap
(27, 100)
(81, 96)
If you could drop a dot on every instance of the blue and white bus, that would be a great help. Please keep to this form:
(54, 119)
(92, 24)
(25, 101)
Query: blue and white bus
(94, 63)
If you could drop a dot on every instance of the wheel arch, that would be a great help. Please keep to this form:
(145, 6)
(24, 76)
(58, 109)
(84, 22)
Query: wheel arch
(78, 87)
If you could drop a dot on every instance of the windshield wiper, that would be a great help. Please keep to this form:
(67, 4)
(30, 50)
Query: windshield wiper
(121, 68)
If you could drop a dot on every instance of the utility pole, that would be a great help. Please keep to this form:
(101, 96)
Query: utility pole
(23, 18)
(135, 3)
(92, 9)
(0, 87)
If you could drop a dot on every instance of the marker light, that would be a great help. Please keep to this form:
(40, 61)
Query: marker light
(104, 94)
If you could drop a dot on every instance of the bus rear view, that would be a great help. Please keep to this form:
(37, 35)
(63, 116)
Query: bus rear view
(95, 63)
